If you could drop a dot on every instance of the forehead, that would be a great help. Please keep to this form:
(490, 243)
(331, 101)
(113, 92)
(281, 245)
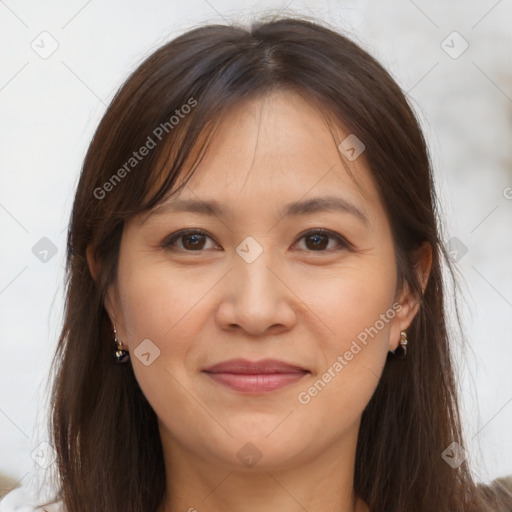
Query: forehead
(276, 148)
(278, 134)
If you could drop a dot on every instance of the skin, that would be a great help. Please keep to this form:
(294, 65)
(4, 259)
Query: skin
(295, 302)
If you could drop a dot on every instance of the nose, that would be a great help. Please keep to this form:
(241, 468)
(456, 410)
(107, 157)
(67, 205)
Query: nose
(256, 298)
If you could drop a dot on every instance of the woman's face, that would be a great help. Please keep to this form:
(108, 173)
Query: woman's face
(261, 282)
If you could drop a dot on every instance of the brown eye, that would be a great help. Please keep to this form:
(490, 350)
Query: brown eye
(194, 241)
(318, 240)
(191, 241)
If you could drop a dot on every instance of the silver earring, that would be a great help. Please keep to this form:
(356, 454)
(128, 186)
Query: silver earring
(121, 354)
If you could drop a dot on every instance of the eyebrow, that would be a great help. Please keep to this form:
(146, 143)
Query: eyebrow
(297, 208)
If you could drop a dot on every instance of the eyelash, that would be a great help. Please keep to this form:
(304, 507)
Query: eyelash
(171, 239)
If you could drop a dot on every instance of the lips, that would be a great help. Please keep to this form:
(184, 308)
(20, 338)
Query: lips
(255, 376)
(243, 366)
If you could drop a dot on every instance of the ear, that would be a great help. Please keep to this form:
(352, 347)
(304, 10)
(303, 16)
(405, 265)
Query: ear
(408, 299)
(94, 266)
(95, 269)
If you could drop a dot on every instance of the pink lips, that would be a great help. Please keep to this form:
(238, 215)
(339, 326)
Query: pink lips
(255, 377)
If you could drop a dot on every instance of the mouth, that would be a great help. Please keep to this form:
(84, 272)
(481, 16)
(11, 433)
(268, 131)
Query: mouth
(255, 377)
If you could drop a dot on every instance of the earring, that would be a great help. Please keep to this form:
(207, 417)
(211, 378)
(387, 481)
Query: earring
(403, 344)
(122, 355)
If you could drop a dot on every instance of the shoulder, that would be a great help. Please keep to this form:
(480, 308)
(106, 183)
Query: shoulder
(23, 499)
(498, 494)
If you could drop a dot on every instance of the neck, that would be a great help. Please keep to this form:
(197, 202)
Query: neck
(324, 482)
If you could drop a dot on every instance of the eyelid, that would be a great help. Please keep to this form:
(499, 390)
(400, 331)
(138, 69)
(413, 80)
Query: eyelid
(173, 237)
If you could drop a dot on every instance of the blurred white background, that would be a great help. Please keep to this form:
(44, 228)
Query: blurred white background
(61, 65)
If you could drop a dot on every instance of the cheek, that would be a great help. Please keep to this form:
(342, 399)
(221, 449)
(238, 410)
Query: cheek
(360, 312)
(355, 304)
(357, 308)
(161, 304)
(168, 308)
(352, 299)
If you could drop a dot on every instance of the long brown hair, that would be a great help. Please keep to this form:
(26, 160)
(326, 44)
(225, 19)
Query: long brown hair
(109, 453)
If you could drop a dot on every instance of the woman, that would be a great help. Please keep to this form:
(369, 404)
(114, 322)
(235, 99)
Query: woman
(255, 228)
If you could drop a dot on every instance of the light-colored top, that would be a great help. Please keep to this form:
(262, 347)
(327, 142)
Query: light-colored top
(24, 499)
